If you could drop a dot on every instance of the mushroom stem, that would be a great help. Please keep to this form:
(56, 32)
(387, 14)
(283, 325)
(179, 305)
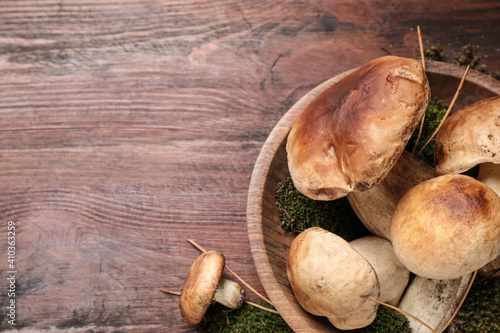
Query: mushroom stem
(202, 249)
(453, 298)
(229, 293)
(375, 206)
(461, 301)
(401, 311)
(489, 174)
(434, 301)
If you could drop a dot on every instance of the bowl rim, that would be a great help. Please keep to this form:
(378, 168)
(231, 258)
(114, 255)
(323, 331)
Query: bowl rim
(277, 138)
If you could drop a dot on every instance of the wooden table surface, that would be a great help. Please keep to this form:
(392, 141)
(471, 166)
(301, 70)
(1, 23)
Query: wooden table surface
(128, 125)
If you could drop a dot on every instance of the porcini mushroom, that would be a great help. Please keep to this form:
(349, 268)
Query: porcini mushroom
(447, 227)
(204, 284)
(470, 138)
(328, 277)
(349, 137)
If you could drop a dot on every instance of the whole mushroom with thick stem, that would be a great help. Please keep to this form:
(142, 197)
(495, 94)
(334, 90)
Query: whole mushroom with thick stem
(204, 285)
(447, 227)
(329, 276)
(471, 138)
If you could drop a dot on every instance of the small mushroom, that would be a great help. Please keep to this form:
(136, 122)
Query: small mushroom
(348, 137)
(447, 227)
(204, 284)
(328, 278)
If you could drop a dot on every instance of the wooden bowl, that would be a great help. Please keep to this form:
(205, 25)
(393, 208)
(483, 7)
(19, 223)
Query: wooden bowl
(269, 243)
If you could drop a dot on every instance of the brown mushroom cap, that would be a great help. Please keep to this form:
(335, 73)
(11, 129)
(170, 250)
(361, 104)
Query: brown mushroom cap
(200, 285)
(328, 277)
(350, 136)
(469, 137)
(447, 227)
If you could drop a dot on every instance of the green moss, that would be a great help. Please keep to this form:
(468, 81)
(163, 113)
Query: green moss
(388, 321)
(433, 52)
(480, 312)
(433, 116)
(298, 212)
(219, 319)
(496, 75)
(467, 58)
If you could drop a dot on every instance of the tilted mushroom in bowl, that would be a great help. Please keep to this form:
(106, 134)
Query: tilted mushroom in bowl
(447, 227)
(328, 284)
(329, 275)
(348, 138)
(469, 139)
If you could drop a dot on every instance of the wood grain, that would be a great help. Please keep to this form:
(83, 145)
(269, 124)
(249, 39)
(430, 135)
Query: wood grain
(127, 125)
